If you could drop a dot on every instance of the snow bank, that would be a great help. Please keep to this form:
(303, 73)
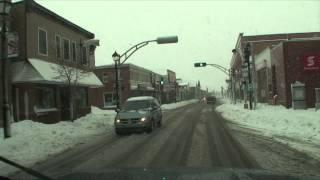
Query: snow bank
(277, 121)
(178, 104)
(32, 142)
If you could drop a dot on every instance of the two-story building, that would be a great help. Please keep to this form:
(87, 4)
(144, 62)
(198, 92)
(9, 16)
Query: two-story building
(134, 81)
(50, 47)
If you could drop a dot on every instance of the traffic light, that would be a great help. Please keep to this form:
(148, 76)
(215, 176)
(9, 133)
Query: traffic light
(203, 64)
(161, 81)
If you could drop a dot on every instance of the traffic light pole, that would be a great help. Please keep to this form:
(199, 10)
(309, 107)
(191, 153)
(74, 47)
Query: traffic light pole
(129, 53)
(247, 54)
(228, 72)
(5, 85)
(116, 67)
(254, 79)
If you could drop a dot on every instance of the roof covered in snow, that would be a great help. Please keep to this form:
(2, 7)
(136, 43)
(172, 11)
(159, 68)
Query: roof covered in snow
(37, 70)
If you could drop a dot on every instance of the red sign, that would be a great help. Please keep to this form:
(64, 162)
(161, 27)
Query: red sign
(311, 62)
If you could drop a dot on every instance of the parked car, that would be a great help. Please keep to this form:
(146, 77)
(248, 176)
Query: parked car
(211, 99)
(141, 113)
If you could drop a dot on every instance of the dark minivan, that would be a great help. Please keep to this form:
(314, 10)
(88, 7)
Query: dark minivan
(211, 99)
(141, 113)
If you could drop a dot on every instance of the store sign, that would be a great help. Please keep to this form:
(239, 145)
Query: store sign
(311, 62)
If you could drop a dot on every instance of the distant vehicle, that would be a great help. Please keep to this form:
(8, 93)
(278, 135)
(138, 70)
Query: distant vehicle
(141, 113)
(211, 99)
(203, 99)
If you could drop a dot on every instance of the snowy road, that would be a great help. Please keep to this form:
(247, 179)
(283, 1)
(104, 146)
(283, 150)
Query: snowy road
(191, 136)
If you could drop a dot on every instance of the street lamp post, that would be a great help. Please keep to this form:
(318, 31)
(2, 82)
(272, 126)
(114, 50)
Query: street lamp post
(243, 60)
(5, 7)
(232, 82)
(247, 54)
(117, 58)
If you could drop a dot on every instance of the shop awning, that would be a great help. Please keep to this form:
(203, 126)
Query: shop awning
(39, 71)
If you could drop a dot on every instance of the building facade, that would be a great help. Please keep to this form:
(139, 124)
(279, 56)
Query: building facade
(50, 48)
(183, 88)
(260, 64)
(134, 81)
(296, 61)
(169, 88)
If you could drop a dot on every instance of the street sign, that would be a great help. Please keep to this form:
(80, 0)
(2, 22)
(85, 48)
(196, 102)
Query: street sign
(311, 62)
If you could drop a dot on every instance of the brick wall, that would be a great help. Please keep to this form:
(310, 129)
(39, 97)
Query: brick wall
(287, 59)
(294, 68)
(96, 95)
(277, 62)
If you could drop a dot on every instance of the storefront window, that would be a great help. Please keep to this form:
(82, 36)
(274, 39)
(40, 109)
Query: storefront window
(46, 98)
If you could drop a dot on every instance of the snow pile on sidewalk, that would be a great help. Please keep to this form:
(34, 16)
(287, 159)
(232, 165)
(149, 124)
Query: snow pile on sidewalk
(178, 104)
(276, 121)
(32, 142)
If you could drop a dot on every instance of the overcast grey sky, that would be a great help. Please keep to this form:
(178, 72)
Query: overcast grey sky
(207, 30)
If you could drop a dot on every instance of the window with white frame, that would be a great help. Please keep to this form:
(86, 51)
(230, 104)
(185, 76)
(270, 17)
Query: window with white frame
(58, 47)
(66, 49)
(105, 77)
(42, 42)
(73, 52)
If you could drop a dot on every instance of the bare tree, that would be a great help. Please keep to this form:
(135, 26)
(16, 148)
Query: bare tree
(71, 76)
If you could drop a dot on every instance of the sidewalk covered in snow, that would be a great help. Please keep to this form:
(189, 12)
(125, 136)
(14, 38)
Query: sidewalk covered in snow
(33, 142)
(297, 128)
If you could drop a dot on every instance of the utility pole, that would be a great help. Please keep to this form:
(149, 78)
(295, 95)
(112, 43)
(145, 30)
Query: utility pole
(116, 58)
(233, 86)
(6, 6)
(247, 54)
(254, 77)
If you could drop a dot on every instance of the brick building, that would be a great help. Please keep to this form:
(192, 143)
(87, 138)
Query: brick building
(183, 88)
(261, 47)
(135, 81)
(48, 42)
(296, 60)
(170, 88)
